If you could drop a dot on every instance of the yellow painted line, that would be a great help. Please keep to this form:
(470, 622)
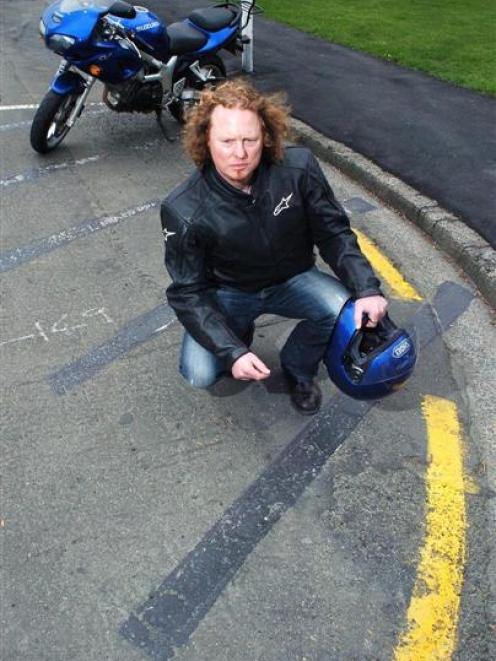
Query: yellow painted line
(385, 268)
(432, 616)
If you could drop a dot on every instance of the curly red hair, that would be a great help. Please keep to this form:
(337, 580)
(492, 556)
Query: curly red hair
(272, 110)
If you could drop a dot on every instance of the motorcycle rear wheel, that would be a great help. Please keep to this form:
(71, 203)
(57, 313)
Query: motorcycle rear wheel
(210, 65)
(49, 126)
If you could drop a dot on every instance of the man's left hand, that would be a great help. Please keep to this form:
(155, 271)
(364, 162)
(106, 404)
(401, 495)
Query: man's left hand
(374, 307)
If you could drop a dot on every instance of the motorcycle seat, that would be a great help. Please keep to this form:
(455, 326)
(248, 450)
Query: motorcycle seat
(212, 18)
(184, 38)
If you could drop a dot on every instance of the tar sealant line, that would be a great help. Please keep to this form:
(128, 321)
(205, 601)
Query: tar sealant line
(136, 332)
(25, 106)
(172, 612)
(15, 125)
(16, 257)
(28, 122)
(33, 174)
(358, 205)
(34, 106)
(167, 619)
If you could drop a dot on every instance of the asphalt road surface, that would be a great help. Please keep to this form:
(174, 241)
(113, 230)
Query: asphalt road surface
(144, 519)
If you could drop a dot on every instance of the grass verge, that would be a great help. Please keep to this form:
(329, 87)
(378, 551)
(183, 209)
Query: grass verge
(451, 39)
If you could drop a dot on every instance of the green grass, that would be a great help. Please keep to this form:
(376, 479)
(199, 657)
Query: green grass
(451, 39)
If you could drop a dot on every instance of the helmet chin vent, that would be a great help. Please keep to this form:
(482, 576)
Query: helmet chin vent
(355, 372)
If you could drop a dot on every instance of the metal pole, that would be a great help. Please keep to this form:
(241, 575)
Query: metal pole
(247, 36)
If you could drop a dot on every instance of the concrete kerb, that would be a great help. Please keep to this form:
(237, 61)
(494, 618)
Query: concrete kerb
(469, 250)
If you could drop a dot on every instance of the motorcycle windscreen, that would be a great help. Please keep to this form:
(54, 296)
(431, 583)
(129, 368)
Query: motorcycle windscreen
(68, 6)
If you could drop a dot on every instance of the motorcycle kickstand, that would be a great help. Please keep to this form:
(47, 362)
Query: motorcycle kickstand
(165, 133)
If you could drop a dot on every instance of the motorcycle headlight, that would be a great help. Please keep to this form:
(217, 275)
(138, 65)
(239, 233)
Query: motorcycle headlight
(60, 43)
(42, 28)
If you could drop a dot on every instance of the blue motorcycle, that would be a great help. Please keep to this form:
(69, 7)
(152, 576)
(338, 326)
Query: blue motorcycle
(144, 65)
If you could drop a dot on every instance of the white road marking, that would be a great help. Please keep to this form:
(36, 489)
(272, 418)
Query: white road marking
(31, 174)
(16, 125)
(13, 258)
(158, 330)
(33, 106)
(60, 326)
(28, 106)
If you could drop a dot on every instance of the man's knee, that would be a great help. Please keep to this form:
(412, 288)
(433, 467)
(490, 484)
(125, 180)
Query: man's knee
(198, 377)
(326, 320)
(328, 298)
(197, 365)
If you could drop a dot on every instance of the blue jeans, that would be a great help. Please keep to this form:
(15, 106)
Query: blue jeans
(313, 296)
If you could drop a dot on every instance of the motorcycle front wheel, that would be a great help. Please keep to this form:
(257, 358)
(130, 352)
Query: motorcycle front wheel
(213, 68)
(49, 125)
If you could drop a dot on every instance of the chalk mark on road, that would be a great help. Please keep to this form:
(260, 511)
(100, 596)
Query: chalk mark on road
(136, 332)
(60, 326)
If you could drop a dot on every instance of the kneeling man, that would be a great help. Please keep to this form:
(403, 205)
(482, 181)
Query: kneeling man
(241, 234)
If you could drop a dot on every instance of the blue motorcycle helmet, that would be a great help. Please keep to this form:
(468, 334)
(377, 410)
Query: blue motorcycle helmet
(369, 363)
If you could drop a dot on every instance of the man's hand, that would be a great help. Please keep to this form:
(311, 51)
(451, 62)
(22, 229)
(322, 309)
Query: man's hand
(249, 368)
(373, 306)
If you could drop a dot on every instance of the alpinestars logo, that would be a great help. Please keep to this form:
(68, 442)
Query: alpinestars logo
(166, 234)
(283, 204)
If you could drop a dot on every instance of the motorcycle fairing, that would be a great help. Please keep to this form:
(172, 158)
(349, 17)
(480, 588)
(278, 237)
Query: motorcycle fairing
(117, 60)
(77, 20)
(149, 33)
(67, 82)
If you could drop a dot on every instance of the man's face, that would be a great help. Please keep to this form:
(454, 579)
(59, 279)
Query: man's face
(235, 142)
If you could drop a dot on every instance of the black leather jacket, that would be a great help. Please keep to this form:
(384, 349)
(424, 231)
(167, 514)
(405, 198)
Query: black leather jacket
(216, 235)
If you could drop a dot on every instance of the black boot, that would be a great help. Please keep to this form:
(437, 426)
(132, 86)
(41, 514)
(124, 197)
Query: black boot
(306, 395)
